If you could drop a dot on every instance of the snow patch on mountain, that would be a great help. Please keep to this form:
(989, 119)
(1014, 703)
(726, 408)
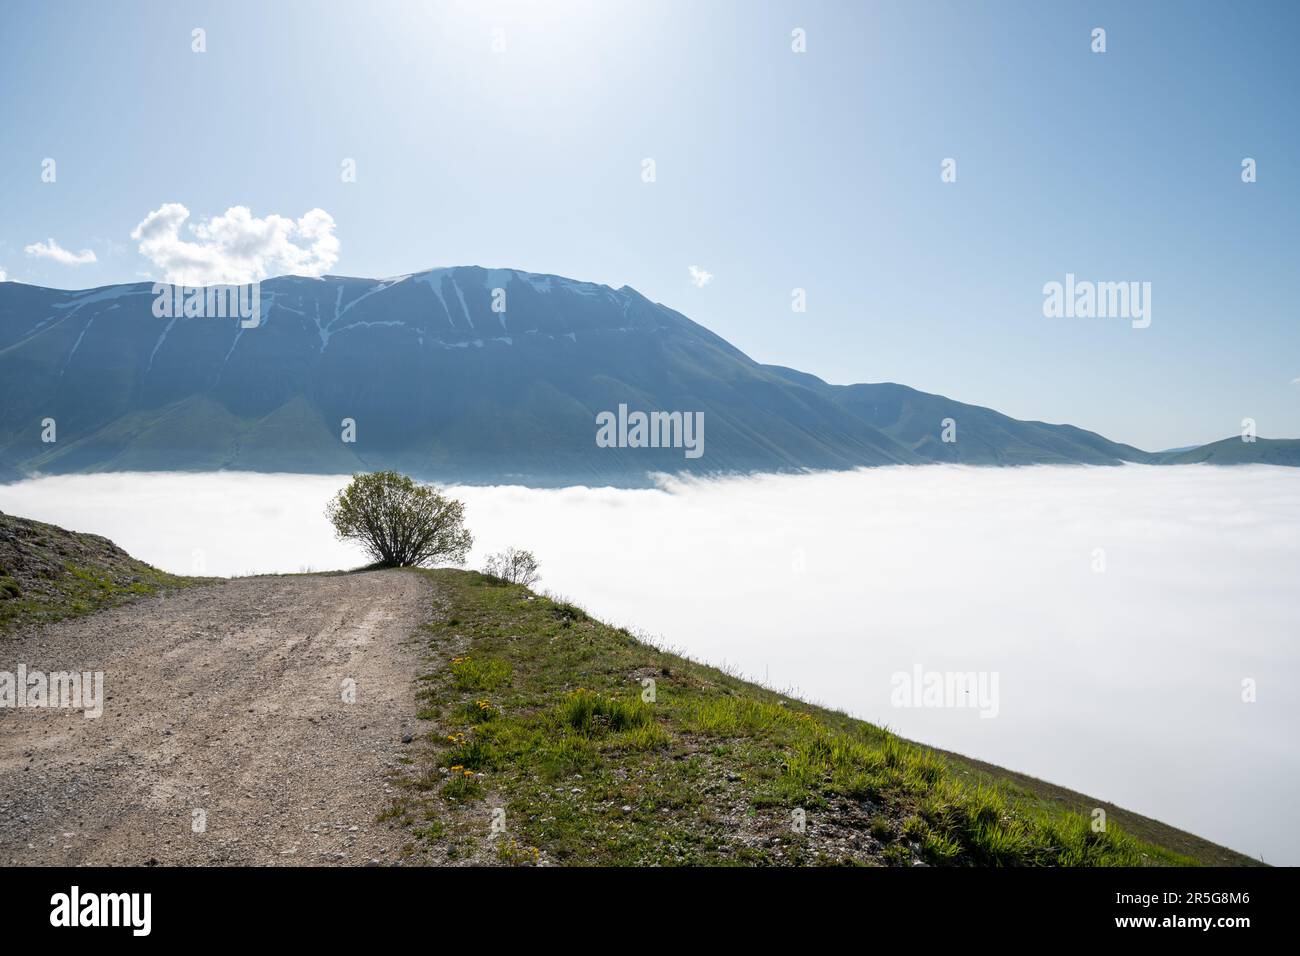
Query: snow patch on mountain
(434, 281)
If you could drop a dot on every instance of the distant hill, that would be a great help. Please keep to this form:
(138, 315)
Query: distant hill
(443, 387)
(1234, 451)
(984, 437)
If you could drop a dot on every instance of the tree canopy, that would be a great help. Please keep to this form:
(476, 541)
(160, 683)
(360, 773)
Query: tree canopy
(400, 522)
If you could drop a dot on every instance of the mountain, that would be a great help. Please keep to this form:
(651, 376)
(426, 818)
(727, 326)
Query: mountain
(1234, 451)
(443, 386)
(984, 437)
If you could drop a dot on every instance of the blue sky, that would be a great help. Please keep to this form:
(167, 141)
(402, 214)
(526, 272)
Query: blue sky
(774, 171)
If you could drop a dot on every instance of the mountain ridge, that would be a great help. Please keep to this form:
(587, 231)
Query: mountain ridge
(462, 374)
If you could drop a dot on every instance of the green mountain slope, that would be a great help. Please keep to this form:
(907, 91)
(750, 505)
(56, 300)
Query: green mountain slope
(605, 750)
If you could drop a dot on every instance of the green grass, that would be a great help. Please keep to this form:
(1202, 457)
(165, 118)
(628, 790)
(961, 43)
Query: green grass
(471, 673)
(48, 573)
(81, 592)
(604, 750)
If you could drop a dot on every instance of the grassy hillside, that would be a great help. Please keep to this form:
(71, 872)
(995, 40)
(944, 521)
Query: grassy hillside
(47, 573)
(1234, 451)
(538, 710)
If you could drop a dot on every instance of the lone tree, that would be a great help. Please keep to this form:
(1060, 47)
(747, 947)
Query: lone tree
(515, 566)
(400, 522)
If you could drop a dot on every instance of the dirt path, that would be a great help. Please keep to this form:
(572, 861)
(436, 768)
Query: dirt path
(226, 700)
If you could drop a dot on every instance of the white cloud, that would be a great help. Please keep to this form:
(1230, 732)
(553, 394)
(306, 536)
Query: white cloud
(236, 247)
(700, 277)
(3, 276)
(52, 250)
(1295, 381)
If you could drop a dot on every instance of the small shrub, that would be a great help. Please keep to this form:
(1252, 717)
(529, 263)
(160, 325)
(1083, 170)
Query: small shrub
(567, 613)
(514, 566)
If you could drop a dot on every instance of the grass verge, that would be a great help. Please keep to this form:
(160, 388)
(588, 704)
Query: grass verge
(556, 739)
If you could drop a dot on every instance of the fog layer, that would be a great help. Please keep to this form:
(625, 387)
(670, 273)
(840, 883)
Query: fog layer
(1112, 614)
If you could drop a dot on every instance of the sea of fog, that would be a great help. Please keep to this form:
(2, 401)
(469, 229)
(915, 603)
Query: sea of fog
(1121, 609)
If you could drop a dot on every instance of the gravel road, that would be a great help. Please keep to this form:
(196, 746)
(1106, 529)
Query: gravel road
(225, 736)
